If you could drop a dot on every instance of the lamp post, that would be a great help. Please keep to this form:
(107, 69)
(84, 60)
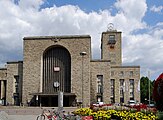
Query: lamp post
(82, 54)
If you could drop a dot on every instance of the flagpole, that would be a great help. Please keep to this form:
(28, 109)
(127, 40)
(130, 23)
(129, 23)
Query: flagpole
(149, 85)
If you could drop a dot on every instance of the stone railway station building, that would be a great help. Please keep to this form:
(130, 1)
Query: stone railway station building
(63, 63)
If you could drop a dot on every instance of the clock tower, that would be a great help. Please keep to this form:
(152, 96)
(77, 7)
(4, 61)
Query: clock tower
(111, 47)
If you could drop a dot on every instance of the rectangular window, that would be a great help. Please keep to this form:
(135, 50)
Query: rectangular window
(112, 85)
(112, 92)
(121, 92)
(99, 88)
(121, 74)
(121, 87)
(121, 99)
(112, 39)
(112, 82)
(131, 73)
(16, 83)
(121, 82)
(131, 81)
(100, 84)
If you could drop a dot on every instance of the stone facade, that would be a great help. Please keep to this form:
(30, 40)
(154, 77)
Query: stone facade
(111, 49)
(100, 68)
(10, 77)
(90, 80)
(14, 82)
(126, 73)
(33, 53)
(3, 81)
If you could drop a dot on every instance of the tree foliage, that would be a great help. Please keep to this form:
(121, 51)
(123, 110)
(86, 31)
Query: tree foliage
(158, 92)
(144, 89)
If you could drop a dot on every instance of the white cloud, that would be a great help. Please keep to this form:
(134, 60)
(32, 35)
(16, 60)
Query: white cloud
(30, 4)
(145, 50)
(27, 19)
(156, 9)
(129, 17)
(132, 9)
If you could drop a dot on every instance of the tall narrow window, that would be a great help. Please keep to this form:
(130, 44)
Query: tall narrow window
(16, 91)
(131, 89)
(112, 84)
(16, 83)
(99, 88)
(121, 90)
(99, 83)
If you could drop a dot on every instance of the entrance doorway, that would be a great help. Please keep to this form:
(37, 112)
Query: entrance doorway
(52, 101)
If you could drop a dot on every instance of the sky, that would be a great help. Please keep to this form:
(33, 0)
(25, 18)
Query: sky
(140, 21)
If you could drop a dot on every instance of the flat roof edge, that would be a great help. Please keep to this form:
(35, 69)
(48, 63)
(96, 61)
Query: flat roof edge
(3, 68)
(114, 31)
(100, 60)
(13, 62)
(125, 66)
(56, 37)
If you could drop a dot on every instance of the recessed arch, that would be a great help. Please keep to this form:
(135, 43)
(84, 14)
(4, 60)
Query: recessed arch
(56, 69)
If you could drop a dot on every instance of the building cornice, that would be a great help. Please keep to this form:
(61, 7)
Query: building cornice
(100, 61)
(3, 68)
(125, 66)
(56, 37)
(14, 62)
(113, 31)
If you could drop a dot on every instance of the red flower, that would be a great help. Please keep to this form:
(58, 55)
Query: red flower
(158, 88)
(158, 92)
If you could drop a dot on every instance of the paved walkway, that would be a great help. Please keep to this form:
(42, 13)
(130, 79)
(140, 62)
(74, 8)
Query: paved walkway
(27, 113)
(22, 117)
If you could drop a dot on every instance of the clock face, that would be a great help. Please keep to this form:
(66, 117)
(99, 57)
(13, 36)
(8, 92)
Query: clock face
(56, 84)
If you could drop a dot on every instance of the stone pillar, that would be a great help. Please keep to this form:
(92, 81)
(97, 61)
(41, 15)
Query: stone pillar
(2, 89)
(60, 100)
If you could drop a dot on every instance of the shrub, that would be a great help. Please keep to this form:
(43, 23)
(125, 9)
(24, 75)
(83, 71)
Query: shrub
(116, 114)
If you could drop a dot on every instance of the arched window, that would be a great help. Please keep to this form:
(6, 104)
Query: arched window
(56, 70)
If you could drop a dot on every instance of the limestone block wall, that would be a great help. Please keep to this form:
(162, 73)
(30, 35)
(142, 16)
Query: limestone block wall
(13, 69)
(34, 48)
(100, 67)
(3, 81)
(108, 53)
(126, 73)
(3, 73)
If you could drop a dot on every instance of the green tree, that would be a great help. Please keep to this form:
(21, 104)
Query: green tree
(144, 89)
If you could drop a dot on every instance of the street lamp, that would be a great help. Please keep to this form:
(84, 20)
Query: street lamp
(82, 54)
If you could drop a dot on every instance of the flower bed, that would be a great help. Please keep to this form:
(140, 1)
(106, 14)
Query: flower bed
(108, 114)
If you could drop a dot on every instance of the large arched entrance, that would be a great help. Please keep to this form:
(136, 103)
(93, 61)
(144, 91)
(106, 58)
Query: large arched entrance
(56, 77)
